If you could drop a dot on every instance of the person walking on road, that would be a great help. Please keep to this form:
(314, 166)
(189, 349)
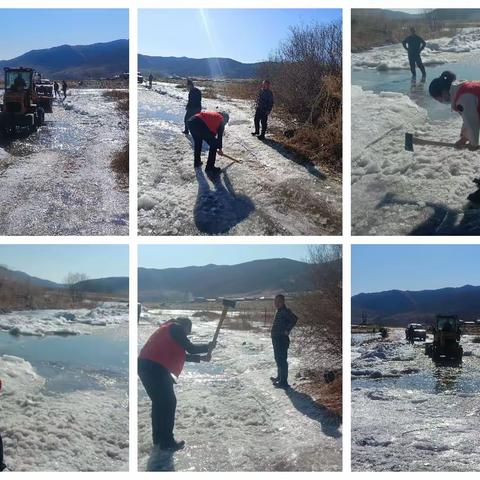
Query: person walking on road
(194, 104)
(264, 105)
(283, 324)
(64, 89)
(414, 45)
(208, 127)
(164, 355)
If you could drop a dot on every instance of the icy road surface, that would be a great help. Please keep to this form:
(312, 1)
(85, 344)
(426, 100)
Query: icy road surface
(409, 414)
(231, 417)
(425, 192)
(268, 194)
(65, 409)
(58, 181)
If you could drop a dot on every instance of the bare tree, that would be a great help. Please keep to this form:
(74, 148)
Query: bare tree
(72, 280)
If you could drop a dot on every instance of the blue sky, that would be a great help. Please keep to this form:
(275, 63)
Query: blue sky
(413, 267)
(33, 29)
(53, 262)
(246, 35)
(167, 256)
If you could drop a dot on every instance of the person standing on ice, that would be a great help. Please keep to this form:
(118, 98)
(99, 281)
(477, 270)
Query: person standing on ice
(283, 324)
(164, 355)
(464, 98)
(194, 104)
(150, 81)
(414, 45)
(56, 89)
(208, 127)
(2, 464)
(264, 105)
(64, 89)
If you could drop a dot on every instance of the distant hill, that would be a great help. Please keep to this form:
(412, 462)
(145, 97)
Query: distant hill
(98, 60)
(440, 14)
(111, 285)
(197, 67)
(258, 277)
(397, 308)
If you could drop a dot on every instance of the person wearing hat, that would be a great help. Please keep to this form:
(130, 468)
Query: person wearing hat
(208, 127)
(194, 104)
(164, 355)
(463, 98)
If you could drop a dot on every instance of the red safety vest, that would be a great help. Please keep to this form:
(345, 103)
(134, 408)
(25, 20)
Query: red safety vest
(163, 349)
(467, 87)
(212, 120)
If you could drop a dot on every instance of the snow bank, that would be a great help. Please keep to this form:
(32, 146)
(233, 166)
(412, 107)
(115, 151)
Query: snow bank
(437, 52)
(395, 192)
(63, 322)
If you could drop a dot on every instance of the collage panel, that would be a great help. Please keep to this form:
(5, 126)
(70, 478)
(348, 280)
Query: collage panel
(240, 122)
(252, 335)
(415, 358)
(415, 121)
(64, 376)
(64, 128)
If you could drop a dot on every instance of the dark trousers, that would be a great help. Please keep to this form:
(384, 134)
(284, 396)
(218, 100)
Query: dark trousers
(158, 384)
(200, 133)
(280, 352)
(261, 118)
(190, 112)
(2, 465)
(415, 59)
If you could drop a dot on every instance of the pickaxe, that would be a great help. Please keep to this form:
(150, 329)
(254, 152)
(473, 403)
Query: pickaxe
(226, 305)
(410, 141)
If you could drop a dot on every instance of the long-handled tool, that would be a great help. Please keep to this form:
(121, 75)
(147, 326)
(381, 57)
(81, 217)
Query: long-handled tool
(226, 305)
(410, 141)
(231, 158)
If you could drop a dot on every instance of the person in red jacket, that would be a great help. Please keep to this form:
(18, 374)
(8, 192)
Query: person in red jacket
(208, 127)
(2, 464)
(463, 98)
(164, 355)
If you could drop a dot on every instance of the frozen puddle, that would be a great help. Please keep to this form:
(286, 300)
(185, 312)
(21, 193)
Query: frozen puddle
(268, 194)
(395, 192)
(65, 399)
(58, 181)
(409, 414)
(232, 419)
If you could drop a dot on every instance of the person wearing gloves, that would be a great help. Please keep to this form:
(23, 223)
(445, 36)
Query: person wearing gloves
(464, 98)
(208, 127)
(164, 355)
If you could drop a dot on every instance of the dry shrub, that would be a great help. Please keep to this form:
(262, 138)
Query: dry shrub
(245, 90)
(120, 163)
(306, 76)
(119, 96)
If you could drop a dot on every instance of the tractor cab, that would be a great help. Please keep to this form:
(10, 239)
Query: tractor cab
(20, 107)
(446, 339)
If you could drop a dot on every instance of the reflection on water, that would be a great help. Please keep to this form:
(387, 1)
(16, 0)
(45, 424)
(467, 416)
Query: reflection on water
(73, 363)
(401, 81)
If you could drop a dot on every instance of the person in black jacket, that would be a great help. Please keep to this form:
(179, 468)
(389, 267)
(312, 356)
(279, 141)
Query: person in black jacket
(264, 105)
(283, 324)
(194, 104)
(2, 464)
(414, 45)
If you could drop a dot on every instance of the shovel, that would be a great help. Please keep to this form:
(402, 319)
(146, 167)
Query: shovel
(226, 305)
(410, 141)
(231, 158)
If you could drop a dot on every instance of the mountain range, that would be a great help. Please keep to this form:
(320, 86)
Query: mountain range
(197, 67)
(440, 14)
(254, 278)
(98, 60)
(398, 307)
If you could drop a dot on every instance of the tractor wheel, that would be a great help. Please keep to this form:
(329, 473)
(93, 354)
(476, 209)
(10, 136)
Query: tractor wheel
(39, 117)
